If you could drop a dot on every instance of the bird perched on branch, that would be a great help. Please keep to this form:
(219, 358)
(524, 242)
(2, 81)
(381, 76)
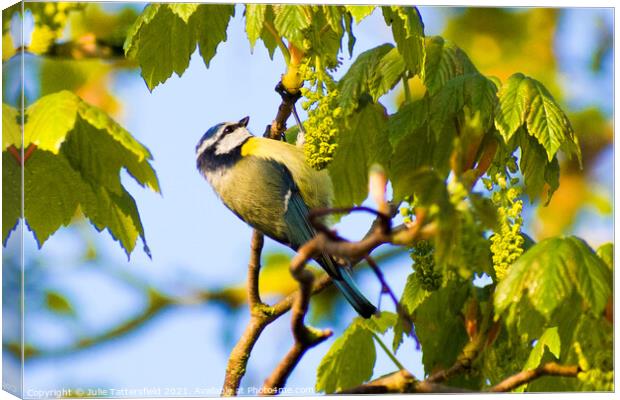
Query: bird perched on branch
(268, 184)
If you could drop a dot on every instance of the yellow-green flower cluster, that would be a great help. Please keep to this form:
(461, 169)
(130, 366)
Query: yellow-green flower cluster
(54, 14)
(423, 256)
(407, 212)
(323, 115)
(595, 378)
(507, 243)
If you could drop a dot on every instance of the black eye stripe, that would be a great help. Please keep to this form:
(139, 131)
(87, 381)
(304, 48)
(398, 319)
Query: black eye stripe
(230, 128)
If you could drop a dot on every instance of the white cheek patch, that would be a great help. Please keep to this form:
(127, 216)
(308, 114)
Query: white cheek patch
(231, 141)
(206, 144)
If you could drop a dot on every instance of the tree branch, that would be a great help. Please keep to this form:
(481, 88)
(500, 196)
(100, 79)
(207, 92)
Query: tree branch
(305, 337)
(548, 369)
(401, 382)
(322, 243)
(256, 248)
(157, 304)
(278, 126)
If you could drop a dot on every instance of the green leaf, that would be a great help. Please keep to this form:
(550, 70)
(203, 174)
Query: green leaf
(161, 42)
(76, 169)
(164, 37)
(429, 189)
(183, 10)
(444, 61)
(118, 214)
(512, 106)
(349, 361)
(11, 130)
(254, 20)
(267, 37)
(374, 72)
(539, 174)
(409, 118)
(361, 142)
(210, 23)
(550, 271)
(323, 40)
(408, 31)
(53, 117)
(390, 69)
(473, 91)
(524, 101)
(11, 194)
(382, 323)
(359, 12)
(49, 119)
(333, 16)
(606, 253)
(413, 295)
(415, 146)
(292, 20)
(348, 22)
(425, 183)
(50, 177)
(439, 326)
(58, 303)
(550, 340)
(484, 210)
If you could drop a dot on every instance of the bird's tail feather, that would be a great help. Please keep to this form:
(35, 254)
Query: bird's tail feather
(344, 281)
(353, 295)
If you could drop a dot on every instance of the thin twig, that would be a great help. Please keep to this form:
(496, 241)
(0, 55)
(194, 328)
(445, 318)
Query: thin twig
(301, 135)
(548, 369)
(278, 126)
(157, 304)
(305, 337)
(388, 352)
(401, 382)
(385, 288)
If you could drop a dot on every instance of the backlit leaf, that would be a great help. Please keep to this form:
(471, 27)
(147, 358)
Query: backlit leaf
(444, 61)
(183, 10)
(374, 72)
(164, 37)
(349, 361)
(360, 12)
(440, 328)
(254, 20)
(161, 42)
(210, 23)
(75, 169)
(361, 143)
(550, 271)
(11, 131)
(524, 101)
(542, 178)
(292, 20)
(408, 32)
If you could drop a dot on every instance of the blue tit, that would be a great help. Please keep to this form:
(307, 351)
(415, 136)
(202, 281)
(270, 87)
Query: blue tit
(268, 185)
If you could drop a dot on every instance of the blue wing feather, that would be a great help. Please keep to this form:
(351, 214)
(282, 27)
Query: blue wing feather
(300, 231)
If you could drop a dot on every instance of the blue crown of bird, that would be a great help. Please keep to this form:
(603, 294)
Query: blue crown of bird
(268, 184)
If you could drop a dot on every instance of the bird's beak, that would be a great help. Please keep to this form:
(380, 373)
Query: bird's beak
(244, 121)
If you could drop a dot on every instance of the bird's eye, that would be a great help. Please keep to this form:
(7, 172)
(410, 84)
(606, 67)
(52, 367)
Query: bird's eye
(229, 129)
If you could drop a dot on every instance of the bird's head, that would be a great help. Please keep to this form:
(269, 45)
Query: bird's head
(224, 138)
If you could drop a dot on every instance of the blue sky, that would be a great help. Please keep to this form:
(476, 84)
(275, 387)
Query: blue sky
(197, 242)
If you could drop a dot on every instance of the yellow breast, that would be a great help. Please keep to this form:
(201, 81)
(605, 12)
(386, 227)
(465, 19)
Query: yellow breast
(315, 186)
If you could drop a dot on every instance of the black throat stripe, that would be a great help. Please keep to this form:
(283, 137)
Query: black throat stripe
(209, 161)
